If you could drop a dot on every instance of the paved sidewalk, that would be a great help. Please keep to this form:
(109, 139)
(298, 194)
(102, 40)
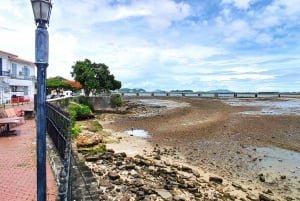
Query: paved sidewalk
(18, 165)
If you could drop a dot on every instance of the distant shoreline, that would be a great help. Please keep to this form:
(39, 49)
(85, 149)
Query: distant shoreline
(216, 94)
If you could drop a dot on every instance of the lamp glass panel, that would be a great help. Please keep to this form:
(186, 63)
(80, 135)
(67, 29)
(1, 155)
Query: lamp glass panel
(45, 9)
(36, 9)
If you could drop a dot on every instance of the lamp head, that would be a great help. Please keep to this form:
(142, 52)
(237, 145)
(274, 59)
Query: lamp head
(41, 11)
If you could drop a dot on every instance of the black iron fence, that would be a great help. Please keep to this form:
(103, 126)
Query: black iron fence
(59, 130)
(75, 179)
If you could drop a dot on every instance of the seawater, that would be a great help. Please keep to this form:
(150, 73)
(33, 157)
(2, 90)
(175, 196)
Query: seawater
(279, 161)
(138, 133)
(271, 107)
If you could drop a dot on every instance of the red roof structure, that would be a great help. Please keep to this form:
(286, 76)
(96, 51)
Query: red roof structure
(15, 58)
(74, 84)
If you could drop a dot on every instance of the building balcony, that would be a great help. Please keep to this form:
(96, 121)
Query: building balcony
(19, 76)
(17, 93)
(5, 73)
(22, 77)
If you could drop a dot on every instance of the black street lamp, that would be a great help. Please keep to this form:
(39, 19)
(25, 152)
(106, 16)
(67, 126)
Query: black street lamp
(41, 10)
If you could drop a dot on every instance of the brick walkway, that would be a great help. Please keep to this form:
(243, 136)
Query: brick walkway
(18, 165)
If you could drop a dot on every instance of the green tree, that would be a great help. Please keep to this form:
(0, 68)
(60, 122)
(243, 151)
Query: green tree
(116, 84)
(57, 83)
(94, 77)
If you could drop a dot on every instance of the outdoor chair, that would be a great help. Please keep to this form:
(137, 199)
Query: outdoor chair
(10, 113)
(6, 122)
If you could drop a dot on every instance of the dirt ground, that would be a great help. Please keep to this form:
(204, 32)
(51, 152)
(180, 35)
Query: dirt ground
(215, 137)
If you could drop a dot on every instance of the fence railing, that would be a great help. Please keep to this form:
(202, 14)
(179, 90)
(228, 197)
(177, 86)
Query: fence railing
(59, 130)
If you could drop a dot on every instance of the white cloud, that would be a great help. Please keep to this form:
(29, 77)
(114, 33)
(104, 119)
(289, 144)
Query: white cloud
(279, 12)
(188, 53)
(125, 12)
(62, 54)
(251, 76)
(143, 45)
(243, 70)
(159, 14)
(238, 30)
(240, 4)
(266, 21)
(286, 7)
(263, 38)
(165, 12)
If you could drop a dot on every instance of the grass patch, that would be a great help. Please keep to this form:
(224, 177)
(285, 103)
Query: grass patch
(100, 148)
(104, 133)
(94, 126)
(75, 131)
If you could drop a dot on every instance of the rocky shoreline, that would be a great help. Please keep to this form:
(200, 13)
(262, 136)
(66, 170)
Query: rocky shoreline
(216, 165)
(150, 178)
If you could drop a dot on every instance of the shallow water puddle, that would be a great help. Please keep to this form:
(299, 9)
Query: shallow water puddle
(269, 107)
(138, 133)
(163, 103)
(279, 161)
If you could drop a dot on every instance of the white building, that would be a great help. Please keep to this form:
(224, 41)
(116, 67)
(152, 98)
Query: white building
(17, 77)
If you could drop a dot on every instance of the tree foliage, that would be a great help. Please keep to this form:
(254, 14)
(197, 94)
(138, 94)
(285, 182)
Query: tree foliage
(57, 83)
(94, 77)
(75, 85)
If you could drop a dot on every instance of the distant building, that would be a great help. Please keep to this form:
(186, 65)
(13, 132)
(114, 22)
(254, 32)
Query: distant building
(67, 93)
(17, 77)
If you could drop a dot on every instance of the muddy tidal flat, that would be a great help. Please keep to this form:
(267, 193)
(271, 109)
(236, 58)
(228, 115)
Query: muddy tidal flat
(251, 143)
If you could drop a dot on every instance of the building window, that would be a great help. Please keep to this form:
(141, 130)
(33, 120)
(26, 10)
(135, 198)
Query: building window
(25, 90)
(14, 88)
(1, 70)
(1, 65)
(13, 70)
(26, 72)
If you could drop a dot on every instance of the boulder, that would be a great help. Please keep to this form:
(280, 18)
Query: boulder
(216, 180)
(88, 139)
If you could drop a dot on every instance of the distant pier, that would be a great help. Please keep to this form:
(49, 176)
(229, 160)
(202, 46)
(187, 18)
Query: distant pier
(218, 95)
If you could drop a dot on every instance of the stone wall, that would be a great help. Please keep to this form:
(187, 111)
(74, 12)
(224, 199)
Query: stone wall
(53, 158)
(84, 184)
(102, 103)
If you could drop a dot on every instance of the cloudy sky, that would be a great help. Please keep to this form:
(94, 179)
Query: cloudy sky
(240, 45)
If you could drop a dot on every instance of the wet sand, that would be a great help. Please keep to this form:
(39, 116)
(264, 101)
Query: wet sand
(234, 141)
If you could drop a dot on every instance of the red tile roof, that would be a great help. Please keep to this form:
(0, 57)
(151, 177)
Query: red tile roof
(15, 58)
(8, 54)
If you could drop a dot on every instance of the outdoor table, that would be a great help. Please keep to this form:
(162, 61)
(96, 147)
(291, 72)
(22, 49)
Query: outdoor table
(28, 113)
(6, 122)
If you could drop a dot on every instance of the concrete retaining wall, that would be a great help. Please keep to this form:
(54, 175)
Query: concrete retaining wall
(102, 103)
(84, 184)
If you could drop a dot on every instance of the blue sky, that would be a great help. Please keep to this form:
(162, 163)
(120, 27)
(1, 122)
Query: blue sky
(240, 45)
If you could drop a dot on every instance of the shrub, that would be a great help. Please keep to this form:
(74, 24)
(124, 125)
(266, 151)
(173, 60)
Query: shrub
(75, 131)
(73, 116)
(73, 107)
(83, 100)
(81, 111)
(117, 100)
(77, 111)
(84, 110)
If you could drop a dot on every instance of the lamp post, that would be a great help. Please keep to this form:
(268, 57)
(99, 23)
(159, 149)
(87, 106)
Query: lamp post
(41, 10)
